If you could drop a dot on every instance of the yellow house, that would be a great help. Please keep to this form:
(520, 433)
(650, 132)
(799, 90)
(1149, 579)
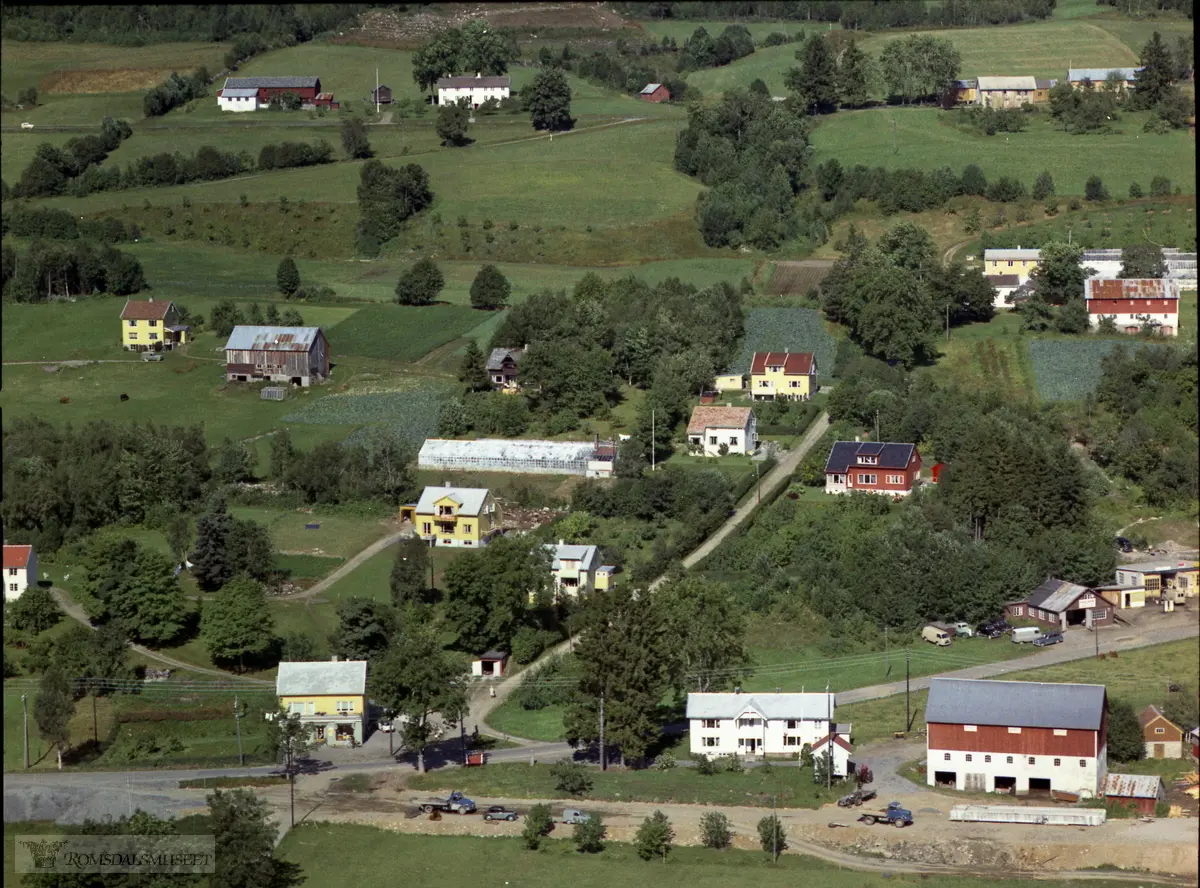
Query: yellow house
(1019, 262)
(729, 382)
(152, 326)
(329, 696)
(790, 375)
(454, 516)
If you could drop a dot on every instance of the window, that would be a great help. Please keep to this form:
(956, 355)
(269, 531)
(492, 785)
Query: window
(712, 439)
(709, 723)
(133, 323)
(987, 759)
(12, 587)
(466, 528)
(132, 336)
(708, 741)
(867, 479)
(154, 323)
(344, 706)
(154, 336)
(1059, 732)
(733, 442)
(1057, 762)
(741, 742)
(1010, 760)
(749, 722)
(789, 740)
(1010, 265)
(1160, 730)
(426, 527)
(12, 571)
(1032, 760)
(791, 721)
(968, 756)
(895, 479)
(868, 460)
(1083, 763)
(970, 729)
(1014, 730)
(946, 756)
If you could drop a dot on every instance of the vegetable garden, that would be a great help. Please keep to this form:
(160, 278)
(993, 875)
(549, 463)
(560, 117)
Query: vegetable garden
(1068, 369)
(412, 415)
(786, 329)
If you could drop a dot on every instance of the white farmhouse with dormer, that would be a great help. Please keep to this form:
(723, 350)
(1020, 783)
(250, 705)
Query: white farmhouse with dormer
(766, 724)
(577, 569)
(475, 90)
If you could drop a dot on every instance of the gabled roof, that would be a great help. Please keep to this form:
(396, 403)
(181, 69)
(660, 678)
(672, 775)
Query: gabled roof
(238, 93)
(145, 309)
(495, 360)
(704, 417)
(470, 82)
(1045, 83)
(561, 552)
(271, 82)
(1132, 786)
(769, 706)
(17, 556)
(650, 88)
(1130, 288)
(1055, 595)
(1000, 254)
(248, 338)
(794, 363)
(1016, 704)
(839, 739)
(844, 454)
(1018, 83)
(470, 499)
(321, 677)
(965, 84)
(1099, 75)
(1151, 713)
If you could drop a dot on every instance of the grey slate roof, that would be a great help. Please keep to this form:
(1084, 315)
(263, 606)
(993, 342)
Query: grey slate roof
(1023, 83)
(1055, 595)
(1045, 83)
(321, 677)
(472, 82)
(251, 338)
(561, 552)
(891, 456)
(1017, 704)
(271, 82)
(769, 706)
(1099, 75)
(1160, 566)
(470, 499)
(495, 360)
(228, 93)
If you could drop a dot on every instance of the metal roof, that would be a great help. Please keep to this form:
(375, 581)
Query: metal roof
(470, 499)
(769, 706)
(1099, 75)
(517, 450)
(561, 552)
(473, 82)
(247, 338)
(321, 677)
(1017, 704)
(1132, 786)
(989, 255)
(495, 360)
(1045, 83)
(1159, 566)
(1130, 288)
(1017, 83)
(271, 82)
(238, 93)
(1055, 595)
(650, 88)
(891, 456)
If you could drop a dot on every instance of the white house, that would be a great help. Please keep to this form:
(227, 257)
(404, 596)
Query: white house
(238, 99)
(475, 90)
(734, 427)
(764, 724)
(576, 569)
(20, 570)
(1016, 736)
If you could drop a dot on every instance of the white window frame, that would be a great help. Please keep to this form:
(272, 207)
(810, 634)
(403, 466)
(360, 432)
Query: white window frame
(344, 707)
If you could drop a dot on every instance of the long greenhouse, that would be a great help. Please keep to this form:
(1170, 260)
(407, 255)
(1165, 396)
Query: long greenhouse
(514, 455)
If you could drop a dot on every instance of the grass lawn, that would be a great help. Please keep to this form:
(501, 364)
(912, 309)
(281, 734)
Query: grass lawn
(793, 787)
(340, 853)
(339, 535)
(369, 580)
(1137, 677)
(537, 724)
(989, 357)
(924, 141)
(402, 332)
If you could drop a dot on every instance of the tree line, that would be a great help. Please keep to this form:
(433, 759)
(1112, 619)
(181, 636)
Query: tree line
(22, 220)
(174, 92)
(52, 169)
(48, 270)
(853, 14)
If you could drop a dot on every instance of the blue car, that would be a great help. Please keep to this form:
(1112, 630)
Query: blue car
(1048, 639)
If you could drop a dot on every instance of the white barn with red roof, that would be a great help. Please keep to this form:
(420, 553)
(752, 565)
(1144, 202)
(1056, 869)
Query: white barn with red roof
(872, 467)
(1134, 301)
(20, 570)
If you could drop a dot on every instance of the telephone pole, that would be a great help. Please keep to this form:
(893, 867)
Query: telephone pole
(653, 442)
(774, 831)
(25, 719)
(237, 720)
(907, 704)
(603, 752)
(832, 734)
(947, 321)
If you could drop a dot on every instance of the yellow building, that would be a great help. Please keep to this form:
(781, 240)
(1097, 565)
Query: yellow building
(1171, 579)
(329, 696)
(454, 516)
(790, 375)
(152, 326)
(1125, 597)
(1019, 262)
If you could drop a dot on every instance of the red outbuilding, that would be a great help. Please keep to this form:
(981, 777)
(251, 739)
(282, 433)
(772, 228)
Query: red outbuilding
(307, 88)
(654, 92)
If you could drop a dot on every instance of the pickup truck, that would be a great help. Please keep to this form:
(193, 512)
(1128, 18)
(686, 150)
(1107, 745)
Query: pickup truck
(963, 630)
(895, 815)
(457, 803)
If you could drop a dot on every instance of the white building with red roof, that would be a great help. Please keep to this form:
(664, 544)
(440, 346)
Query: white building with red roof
(20, 570)
(733, 428)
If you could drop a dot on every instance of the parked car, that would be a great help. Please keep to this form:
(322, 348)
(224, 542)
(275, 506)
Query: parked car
(963, 630)
(1026, 634)
(1002, 625)
(152, 356)
(499, 812)
(934, 635)
(27, 125)
(1048, 639)
(1123, 544)
(574, 815)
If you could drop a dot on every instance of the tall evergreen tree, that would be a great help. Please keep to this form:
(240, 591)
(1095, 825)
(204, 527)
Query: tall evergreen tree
(1153, 82)
(855, 75)
(550, 101)
(52, 711)
(287, 277)
(211, 563)
(472, 372)
(237, 627)
(1043, 186)
(245, 844)
(815, 82)
(411, 575)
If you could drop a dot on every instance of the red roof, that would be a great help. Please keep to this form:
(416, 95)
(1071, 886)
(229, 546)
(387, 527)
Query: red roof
(145, 310)
(1133, 288)
(794, 363)
(17, 556)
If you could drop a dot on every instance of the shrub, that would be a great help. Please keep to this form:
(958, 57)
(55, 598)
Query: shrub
(772, 835)
(734, 765)
(571, 777)
(654, 837)
(1094, 189)
(538, 824)
(528, 643)
(705, 766)
(1160, 186)
(589, 835)
(715, 831)
(1135, 190)
(664, 762)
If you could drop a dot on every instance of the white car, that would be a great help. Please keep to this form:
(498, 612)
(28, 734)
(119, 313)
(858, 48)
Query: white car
(27, 125)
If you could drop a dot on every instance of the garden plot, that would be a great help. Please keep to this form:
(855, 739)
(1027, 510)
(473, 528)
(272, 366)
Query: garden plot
(786, 329)
(1069, 369)
(411, 414)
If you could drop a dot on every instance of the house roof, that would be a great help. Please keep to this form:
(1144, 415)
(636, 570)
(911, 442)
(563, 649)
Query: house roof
(1159, 566)
(1099, 75)
(1152, 712)
(238, 93)
(145, 309)
(493, 655)
(998, 254)
(1055, 595)
(495, 360)
(1018, 83)
(470, 499)
(585, 555)
(1004, 280)
(470, 82)
(1132, 786)
(843, 454)
(769, 706)
(321, 677)
(838, 739)
(794, 363)
(1028, 704)
(515, 450)
(965, 84)
(248, 338)
(271, 82)
(1130, 288)
(1045, 83)
(650, 88)
(17, 556)
(718, 418)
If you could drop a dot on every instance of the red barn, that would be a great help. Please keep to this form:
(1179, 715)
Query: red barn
(307, 88)
(654, 92)
(1131, 303)
(873, 467)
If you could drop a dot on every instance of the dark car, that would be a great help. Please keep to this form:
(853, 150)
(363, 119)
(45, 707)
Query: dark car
(1002, 626)
(1048, 639)
(1123, 544)
(499, 812)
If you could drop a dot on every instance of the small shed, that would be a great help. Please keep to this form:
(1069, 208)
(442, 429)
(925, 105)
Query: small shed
(489, 665)
(654, 92)
(273, 393)
(382, 95)
(1142, 792)
(937, 472)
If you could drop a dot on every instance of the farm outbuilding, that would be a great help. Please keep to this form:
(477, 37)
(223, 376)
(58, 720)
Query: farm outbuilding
(1142, 792)
(299, 355)
(591, 458)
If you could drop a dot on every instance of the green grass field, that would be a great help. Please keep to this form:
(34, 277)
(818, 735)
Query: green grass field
(402, 332)
(339, 536)
(988, 357)
(925, 141)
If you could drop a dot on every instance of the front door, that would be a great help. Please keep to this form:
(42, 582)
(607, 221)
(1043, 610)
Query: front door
(1159, 751)
(752, 744)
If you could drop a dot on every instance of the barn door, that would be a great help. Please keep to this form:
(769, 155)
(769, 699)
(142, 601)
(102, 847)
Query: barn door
(1159, 751)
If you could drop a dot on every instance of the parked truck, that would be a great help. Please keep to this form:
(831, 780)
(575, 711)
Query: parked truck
(457, 803)
(895, 815)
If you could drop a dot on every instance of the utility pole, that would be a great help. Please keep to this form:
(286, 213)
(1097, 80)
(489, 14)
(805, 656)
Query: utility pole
(603, 752)
(25, 718)
(947, 321)
(774, 831)
(653, 442)
(907, 704)
(876, 425)
(377, 91)
(832, 734)
(895, 150)
(887, 662)
(95, 734)
(237, 720)
(757, 484)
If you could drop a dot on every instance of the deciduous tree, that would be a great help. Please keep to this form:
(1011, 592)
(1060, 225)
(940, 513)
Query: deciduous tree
(654, 837)
(1142, 261)
(52, 711)
(589, 834)
(420, 284)
(550, 101)
(34, 612)
(354, 139)
(237, 627)
(211, 563)
(365, 628)
(772, 836)
(490, 289)
(1125, 742)
(452, 123)
(1060, 274)
(715, 831)
(411, 574)
(711, 632)
(245, 843)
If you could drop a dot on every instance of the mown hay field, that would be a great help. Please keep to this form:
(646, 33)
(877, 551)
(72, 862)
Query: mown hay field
(402, 332)
(796, 278)
(82, 67)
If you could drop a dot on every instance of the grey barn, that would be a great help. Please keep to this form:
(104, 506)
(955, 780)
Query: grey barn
(299, 355)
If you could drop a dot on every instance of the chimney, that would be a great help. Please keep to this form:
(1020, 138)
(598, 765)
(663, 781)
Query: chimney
(858, 439)
(477, 75)
(445, 483)
(738, 689)
(333, 659)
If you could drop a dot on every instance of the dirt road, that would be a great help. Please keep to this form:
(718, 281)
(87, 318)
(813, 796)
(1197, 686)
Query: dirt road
(349, 567)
